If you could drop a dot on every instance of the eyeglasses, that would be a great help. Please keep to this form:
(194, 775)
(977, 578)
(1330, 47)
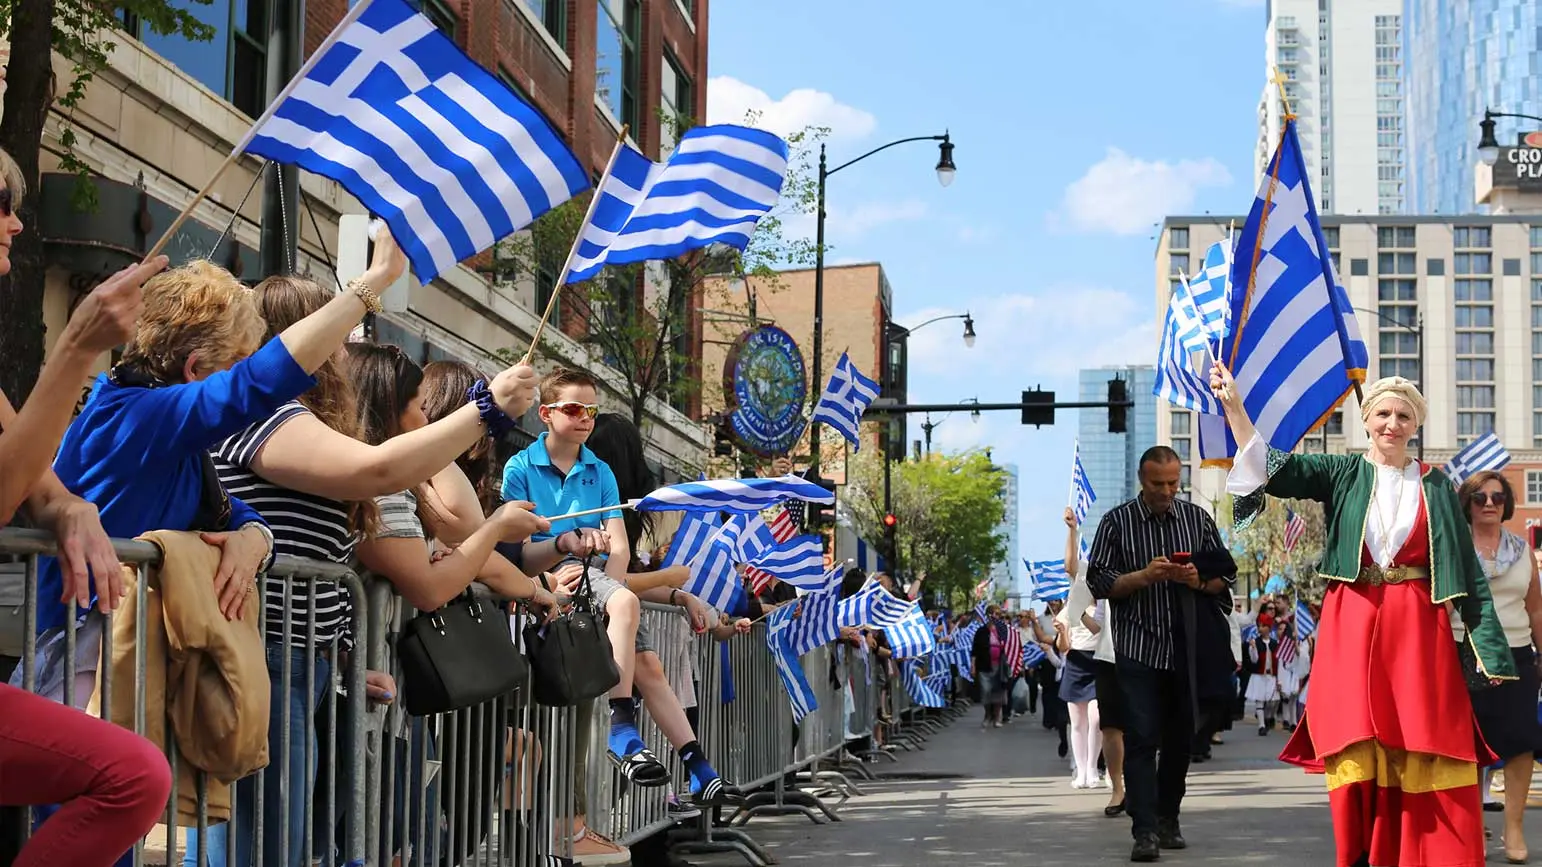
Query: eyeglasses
(1483, 498)
(6, 202)
(574, 409)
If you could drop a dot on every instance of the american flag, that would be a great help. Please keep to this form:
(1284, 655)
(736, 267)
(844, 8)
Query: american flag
(784, 526)
(1013, 651)
(1287, 651)
(1295, 528)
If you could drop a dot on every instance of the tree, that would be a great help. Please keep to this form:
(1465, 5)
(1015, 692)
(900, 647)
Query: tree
(637, 318)
(81, 33)
(1260, 549)
(947, 509)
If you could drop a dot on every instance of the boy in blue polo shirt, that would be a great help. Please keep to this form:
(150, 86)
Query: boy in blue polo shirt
(561, 475)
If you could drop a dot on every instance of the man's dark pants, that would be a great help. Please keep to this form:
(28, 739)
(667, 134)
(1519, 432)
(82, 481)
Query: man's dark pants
(1158, 717)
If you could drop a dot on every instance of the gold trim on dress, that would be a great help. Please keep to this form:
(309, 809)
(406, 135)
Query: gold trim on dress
(1390, 768)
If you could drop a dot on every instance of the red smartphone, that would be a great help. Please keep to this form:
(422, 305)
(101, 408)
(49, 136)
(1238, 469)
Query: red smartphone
(1180, 557)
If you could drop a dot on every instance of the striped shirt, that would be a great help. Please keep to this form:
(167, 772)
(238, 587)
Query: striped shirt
(303, 525)
(1128, 537)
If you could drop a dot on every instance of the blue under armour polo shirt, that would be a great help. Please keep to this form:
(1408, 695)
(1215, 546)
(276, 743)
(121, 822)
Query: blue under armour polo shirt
(530, 475)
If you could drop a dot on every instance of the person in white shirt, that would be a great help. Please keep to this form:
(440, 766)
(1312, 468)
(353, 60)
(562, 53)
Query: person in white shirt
(1089, 684)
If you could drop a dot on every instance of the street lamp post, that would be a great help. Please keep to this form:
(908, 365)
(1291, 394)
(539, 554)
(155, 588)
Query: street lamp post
(945, 172)
(1488, 145)
(1417, 330)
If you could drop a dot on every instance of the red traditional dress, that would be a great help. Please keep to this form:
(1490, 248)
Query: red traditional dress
(1389, 720)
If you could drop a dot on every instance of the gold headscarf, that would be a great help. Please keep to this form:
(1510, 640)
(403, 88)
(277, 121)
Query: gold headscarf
(1398, 387)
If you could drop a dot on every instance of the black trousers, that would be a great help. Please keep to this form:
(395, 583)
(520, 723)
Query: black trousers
(1159, 719)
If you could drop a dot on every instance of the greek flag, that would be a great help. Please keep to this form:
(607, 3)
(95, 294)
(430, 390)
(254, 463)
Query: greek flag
(755, 540)
(717, 184)
(873, 607)
(911, 636)
(800, 561)
(1295, 350)
(1210, 292)
(1082, 496)
(414, 129)
(1049, 579)
(1033, 654)
(1084, 549)
(921, 692)
(1183, 334)
(814, 621)
(691, 539)
(1249, 632)
(788, 666)
(1306, 624)
(1483, 453)
(732, 495)
(846, 397)
(713, 579)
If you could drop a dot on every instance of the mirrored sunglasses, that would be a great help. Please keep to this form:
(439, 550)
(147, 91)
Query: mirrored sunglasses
(574, 409)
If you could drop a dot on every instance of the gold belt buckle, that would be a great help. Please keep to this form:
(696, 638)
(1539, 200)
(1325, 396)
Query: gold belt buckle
(1375, 575)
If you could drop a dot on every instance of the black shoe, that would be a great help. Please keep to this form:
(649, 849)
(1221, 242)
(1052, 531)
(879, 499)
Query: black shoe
(1169, 836)
(1146, 849)
(1114, 810)
(1493, 807)
(1063, 749)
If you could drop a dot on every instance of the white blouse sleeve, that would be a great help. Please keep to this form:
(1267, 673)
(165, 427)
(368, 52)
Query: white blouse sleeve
(1249, 469)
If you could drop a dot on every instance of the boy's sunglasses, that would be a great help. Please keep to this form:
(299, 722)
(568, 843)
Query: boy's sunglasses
(574, 409)
(1483, 498)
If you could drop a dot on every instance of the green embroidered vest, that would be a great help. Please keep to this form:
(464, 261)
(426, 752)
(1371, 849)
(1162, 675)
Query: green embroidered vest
(1345, 484)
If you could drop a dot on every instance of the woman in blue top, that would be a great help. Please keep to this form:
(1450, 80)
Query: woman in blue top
(193, 374)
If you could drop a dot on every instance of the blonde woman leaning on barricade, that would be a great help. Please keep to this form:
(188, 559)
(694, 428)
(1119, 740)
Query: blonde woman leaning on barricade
(111, 783)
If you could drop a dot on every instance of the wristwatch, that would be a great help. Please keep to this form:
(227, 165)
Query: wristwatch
(361, 288)
(267, 562)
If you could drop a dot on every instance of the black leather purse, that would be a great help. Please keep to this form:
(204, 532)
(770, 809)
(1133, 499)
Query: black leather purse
(570, 658)
(1477, 681)
(458, 656)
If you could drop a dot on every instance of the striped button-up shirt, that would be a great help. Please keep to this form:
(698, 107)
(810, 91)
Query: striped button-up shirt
(1128, 537)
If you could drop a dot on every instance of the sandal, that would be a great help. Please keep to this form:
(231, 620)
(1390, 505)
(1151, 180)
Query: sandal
(717, 793)
(641, 768)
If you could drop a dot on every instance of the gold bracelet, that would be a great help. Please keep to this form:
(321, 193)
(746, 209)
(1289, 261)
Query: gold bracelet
(361, 290)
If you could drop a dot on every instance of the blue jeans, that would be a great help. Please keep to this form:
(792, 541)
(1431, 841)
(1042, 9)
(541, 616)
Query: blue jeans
(286, 797)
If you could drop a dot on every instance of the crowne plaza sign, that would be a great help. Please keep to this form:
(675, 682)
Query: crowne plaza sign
(1520, 167)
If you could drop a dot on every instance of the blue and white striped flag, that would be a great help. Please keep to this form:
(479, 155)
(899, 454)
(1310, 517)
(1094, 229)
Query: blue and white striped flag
(424, 137)
(1210, 290)
(1082, 495)
(846, 397)
(717, 184)
(1049, 579)
(1183, 334)
(1033, 654)
(920, 691)
(800, 561)
(1295, 350)
(1306, 624)
(1483, 453)
(733, 495)
(1249, 632)
(1085, 549)
(755, 540)
(713, 578)
(911, 636)
(691, 539)
(873, 607)
(815, 624)
(788, 666)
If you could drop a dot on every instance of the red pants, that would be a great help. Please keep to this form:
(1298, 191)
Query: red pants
(112, 784)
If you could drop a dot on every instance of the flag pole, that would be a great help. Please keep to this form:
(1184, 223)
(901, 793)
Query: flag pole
(251, 132)
(629, 504)
(562, 278)
(1263, 217)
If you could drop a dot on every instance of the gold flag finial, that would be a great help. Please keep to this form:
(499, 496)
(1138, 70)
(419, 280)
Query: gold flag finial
(1279, 82)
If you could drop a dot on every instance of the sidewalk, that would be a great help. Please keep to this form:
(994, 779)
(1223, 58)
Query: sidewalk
(1002, 798)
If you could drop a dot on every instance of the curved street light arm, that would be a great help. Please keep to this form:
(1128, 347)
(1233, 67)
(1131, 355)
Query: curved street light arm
(1493, 114)
(914, 328)
(943, 137)
(1388, 319)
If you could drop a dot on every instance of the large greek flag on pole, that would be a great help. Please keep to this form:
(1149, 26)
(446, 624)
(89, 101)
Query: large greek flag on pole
(717, 184)
(425, 138)
(845, 398)
(733, 495)
(1296, 350)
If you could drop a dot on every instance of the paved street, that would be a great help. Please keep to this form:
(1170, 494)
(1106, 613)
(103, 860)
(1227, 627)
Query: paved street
(1010, 803)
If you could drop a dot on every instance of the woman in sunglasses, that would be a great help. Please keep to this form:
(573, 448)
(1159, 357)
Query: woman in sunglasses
(1507, 714)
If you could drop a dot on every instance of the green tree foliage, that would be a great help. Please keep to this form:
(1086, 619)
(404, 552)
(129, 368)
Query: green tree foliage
(1260, 549)
(637, 318)
(948, 508)
(82, 34)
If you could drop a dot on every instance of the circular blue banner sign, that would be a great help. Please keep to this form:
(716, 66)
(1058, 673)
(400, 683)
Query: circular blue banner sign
(765, 386)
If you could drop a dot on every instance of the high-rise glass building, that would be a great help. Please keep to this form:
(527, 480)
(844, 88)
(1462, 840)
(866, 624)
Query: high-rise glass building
(1463, 56)
(1011, 566)
(1111, 458)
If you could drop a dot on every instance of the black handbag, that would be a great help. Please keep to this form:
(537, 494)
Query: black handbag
(458, 656)
(570, 658)
(1477, 681)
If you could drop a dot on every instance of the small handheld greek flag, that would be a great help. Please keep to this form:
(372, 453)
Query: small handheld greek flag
(1306, 624)
(1483, 453)
(845, 399)
(1082, 495)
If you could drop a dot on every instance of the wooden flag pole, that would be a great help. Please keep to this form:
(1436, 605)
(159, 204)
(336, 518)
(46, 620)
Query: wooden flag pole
(629, 504)
(562, 278)
(251, 132)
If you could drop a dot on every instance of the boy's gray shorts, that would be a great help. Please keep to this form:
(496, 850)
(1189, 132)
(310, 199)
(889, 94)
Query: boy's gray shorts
(605, 587)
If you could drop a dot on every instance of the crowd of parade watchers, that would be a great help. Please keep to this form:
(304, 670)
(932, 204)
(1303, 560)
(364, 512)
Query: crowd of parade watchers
(239, 424)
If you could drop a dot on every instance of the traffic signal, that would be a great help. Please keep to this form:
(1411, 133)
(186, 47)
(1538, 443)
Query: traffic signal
(1038, 407)
(890, 521)
(1118, 393)
(820, 514)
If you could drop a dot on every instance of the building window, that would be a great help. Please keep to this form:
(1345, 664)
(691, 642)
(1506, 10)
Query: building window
(1395, 237)
(232, 64)
(1181, 422)
(616, 68)
(1473, 263)
(1389, 110)
(1397, 302)
(1474, 319)
(1177, 265)
(1178, 238)
(676, 102)
(443, 17)
(553, 16)
(1533, 487)
(1472, 236)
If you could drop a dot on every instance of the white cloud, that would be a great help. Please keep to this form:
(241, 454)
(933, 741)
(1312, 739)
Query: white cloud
(1125, 195)
(729, 100)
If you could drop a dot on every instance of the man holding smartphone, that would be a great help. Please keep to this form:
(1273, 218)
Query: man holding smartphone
(1157, 558)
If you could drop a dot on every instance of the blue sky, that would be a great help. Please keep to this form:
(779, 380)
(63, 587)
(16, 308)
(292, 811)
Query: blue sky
(1078, 127)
